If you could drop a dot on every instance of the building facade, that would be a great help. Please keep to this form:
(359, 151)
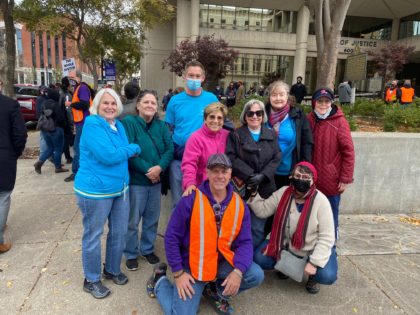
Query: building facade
(280, 36)
(39, 56)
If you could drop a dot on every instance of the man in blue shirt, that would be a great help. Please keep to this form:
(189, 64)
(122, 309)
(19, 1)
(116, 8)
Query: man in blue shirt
(184, 115)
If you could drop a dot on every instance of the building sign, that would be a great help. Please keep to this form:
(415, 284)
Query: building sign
(68, 65)
(349, 45)
(356, 67)
(110, 70)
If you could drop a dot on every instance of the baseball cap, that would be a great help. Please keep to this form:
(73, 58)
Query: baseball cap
(218, 159)
(323, 92)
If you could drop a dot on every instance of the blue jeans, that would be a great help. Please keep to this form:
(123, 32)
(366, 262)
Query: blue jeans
(95, 213)
(175, 181)
(4, 212)
(171, 303)
(76, 144)
(326, 275)
(42, 144)
(145, 206)
(257, 229)
(55, 141)
(335, 204)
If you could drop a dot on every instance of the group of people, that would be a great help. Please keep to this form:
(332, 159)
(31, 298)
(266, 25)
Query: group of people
(397, 93)
(241, 198)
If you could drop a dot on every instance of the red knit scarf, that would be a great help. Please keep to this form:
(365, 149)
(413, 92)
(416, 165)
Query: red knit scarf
(279, 223)
(277, 117)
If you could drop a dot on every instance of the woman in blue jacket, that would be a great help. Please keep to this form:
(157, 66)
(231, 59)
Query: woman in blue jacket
(101, 187)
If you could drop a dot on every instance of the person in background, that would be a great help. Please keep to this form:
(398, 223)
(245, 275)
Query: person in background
(230, 95)
(65, 101)
(184, 115)
(146, 171)
(80, 104)
(392, 93)
(13, 137)
(53, 138)
(240, 93)
(216, 263)
(255, 156)
(298, 90)
(101, 186)
(261, 90)
(333, 150)
(208, 140)
(167, 98)
(131, 91)
(344, 93)
(303, 225)
(407, 93)
(218, 91)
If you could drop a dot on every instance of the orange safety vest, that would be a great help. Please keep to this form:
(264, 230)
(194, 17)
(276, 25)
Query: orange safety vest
(391, 95)
(78, 113)
(407, 95)
(205, 243)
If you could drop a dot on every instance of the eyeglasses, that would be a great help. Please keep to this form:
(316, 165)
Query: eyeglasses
(250, 113)
(302, 176)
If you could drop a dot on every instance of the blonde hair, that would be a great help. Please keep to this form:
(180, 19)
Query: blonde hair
(213, 107)
(97, 100)
(278, 84)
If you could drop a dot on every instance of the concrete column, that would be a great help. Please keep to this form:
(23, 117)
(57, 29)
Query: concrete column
(195, 19)
(183, 19)
(299, 66)
(395, 30)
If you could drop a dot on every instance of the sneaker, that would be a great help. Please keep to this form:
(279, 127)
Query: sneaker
(219, 304)
(61, 170)
(120, 279)
(159, 271)
(132, 264)
(97, 289)
(5, 247)
(38, 165)
(70, 178)
(151, 258)
(312, 286)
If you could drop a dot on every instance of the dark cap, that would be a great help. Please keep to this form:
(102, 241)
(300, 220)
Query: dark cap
(218, 159)
(323, 92)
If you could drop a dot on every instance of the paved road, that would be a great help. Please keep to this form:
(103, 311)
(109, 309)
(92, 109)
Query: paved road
(379, 263)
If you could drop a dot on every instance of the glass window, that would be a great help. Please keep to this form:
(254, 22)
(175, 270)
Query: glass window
(63, 41)
(57, 56)
(49, 49)
(215, 16)
(19, 48)
(242, 18)
(33, 37)
(41, 51)
(228, 17)
(255, 16)
(267, 21)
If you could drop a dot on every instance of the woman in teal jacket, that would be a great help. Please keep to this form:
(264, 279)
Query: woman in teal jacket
(101, 187)
(146, 171)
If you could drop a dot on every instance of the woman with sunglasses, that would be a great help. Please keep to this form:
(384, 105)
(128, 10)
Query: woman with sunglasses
(255, 156)
(208, 140)
(303, 225)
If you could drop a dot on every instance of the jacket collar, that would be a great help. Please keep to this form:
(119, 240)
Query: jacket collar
(205, 189)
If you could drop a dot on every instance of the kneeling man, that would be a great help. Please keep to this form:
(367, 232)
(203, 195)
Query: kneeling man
(208, 247)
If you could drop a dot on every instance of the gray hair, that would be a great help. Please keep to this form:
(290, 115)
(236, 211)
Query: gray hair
(97, 100)
(79, 74)
(246, 108)
(277, 84)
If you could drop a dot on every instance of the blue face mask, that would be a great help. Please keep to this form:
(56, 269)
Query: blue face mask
(325, 115)
(193, 85)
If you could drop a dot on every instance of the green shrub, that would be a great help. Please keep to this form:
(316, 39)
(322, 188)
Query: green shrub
(369, 108)
(404, 119)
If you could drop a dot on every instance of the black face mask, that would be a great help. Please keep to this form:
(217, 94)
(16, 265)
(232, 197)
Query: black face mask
(301, 185)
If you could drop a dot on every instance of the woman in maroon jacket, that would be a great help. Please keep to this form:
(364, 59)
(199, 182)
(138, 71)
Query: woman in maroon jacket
(333, 150)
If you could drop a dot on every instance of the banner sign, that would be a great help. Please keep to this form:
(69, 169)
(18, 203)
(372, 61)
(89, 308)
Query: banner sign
(68, 65)
(350, 45)
(110, 70)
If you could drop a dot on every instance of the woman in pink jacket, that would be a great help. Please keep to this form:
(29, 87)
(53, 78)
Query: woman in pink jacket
(209, 139)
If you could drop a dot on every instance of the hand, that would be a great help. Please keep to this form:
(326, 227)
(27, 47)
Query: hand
(255, 180)
(189, 190)
(310, 269)
(231, 284)
(342, 187)
(184, 287)
(153, 173)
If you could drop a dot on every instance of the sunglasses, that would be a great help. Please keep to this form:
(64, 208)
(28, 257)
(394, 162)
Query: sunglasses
(250, 113)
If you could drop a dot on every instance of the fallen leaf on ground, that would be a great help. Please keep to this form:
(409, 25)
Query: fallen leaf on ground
(9, 284)
(410, 220)
(354, 310)
(44, 269)
(66, 282)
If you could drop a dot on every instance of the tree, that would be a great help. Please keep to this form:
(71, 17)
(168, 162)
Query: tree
(329, 20)
(91, 24)
(270, 77)
(390, 59)
(215, 55)
(8, 53)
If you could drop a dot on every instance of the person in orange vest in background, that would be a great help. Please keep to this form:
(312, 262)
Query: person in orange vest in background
(80, 104)
(407, 93)
(392, 93)
(208, 247)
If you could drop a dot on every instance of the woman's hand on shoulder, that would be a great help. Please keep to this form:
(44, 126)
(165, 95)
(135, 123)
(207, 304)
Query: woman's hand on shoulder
(189, 190)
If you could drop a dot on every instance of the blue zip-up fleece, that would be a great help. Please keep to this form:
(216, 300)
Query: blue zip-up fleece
(104, 154)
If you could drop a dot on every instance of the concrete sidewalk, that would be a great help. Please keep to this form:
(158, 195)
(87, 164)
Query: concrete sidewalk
(379, 263)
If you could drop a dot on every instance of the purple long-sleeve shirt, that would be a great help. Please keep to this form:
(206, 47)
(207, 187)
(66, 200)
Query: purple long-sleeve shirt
(84, 95)
(177, 236)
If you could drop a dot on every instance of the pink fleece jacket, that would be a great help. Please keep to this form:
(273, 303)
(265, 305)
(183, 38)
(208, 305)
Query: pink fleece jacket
(198, 148)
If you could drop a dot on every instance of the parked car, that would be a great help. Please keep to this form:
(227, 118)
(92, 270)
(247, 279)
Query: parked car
(26, 95)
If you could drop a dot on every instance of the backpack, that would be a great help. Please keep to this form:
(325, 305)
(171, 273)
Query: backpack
(45, 121)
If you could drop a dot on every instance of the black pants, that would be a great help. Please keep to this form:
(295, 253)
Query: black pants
(68, 142)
